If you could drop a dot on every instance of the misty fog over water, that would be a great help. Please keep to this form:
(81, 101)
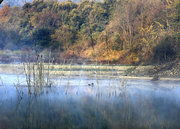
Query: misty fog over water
(140, 104)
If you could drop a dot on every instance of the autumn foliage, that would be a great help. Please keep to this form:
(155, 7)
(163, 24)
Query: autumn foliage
(118, 31)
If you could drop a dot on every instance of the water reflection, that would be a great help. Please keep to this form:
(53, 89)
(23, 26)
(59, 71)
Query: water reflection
(138, 105)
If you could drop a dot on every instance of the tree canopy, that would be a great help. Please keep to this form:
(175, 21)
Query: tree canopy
(129, 30)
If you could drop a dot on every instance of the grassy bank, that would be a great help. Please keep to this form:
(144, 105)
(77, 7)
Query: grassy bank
(164, 72)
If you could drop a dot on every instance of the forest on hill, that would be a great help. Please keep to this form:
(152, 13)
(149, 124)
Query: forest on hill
(119, 31)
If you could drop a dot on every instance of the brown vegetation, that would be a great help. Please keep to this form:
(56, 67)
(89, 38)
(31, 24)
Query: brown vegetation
(119, 31)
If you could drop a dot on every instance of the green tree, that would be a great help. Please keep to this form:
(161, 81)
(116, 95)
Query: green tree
(62, 38)
(41, 38)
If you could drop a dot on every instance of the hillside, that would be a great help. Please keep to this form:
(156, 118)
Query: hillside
(114, 31)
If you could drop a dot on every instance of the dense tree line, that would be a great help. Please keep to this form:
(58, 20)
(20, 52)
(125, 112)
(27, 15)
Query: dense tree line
(130, 31)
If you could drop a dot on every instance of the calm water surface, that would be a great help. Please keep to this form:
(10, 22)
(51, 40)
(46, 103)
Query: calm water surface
(107, 104)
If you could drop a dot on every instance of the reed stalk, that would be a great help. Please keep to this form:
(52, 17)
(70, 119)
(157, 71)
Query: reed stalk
(36, 75)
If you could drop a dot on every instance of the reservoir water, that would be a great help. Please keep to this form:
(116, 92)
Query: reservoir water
(90, 103)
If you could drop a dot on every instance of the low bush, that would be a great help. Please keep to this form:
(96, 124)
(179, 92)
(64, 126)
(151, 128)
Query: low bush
(165, 50)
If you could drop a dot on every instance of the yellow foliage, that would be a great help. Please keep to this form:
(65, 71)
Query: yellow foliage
(144, 40)
(161, 25)
(169, 3)
(134, 58)
(147, 29)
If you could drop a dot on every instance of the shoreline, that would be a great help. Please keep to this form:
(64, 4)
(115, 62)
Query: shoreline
(149, 72)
